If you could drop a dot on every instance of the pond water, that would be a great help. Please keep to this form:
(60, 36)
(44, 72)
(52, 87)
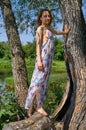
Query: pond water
(3, 75)
(2, 86)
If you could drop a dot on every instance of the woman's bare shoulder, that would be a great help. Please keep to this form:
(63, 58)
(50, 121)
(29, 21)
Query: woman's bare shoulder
(39, 29)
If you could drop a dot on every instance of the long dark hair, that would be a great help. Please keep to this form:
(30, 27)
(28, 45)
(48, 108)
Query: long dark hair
(40, 15)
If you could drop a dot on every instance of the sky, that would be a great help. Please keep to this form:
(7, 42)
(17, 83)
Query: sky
(24, 37)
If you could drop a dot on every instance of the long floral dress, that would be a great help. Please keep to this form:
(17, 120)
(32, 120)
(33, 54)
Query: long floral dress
(39, 81)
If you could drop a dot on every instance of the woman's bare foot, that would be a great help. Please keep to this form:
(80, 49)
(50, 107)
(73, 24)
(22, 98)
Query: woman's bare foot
(42, 111)
(29, 114)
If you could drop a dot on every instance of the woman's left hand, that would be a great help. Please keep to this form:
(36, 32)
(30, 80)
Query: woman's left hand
(66, 29)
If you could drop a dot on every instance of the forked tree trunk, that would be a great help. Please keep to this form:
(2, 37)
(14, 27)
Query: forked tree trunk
(71, 113)
(18, 62)
(75, 57)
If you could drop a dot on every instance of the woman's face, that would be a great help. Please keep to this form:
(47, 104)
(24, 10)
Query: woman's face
(45, 18)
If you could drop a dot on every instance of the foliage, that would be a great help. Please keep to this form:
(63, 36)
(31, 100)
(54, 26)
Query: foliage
(5, 64)
(1, 51)
(26, 12)
(58, 52)
(30, 50)
(58, 66)
(9, 81)
(5, 50)
(56, 89)
(9, 108)
(5, 67)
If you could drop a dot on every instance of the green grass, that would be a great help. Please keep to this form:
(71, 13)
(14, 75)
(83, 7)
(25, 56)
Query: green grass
(58, 66)
(5, 64)
(5, 68)
(56, 86)
(58, 70)
(9, 81)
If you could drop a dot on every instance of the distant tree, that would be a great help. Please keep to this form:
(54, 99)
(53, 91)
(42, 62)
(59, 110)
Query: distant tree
(5, 50)
(59, 51)
(29, 50)
(1, 50)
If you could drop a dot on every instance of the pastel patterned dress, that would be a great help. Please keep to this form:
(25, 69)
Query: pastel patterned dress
(39, 81)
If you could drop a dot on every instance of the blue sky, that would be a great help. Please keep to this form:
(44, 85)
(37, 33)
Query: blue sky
(25, 37)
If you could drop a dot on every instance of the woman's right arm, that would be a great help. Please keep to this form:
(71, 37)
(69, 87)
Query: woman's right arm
(38, 47)
(58, 32)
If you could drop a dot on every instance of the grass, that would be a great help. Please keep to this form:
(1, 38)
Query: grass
(9, 81)
(58, 66)
(56, 86)
(58, 71)
(5, 64)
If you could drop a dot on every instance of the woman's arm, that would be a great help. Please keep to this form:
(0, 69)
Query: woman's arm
(39, 39)
(57, 32)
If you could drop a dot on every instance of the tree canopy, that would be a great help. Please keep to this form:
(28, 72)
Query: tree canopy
(26, 13)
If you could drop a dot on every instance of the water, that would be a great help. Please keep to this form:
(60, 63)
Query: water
(2, 87)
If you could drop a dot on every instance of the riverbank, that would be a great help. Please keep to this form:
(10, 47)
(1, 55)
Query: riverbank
(6, 70)
(9, 108)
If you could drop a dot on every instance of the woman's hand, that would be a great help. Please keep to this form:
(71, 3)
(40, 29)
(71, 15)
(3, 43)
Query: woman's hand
(40, 66)
(66, 29)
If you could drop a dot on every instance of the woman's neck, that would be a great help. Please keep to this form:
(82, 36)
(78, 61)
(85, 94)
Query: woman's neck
(46, 26)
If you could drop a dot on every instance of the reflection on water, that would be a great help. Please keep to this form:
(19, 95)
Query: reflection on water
(2, 83)
(5, 73)
(2, 87)
(5, 76)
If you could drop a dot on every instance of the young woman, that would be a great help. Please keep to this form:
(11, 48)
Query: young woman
(44, 51)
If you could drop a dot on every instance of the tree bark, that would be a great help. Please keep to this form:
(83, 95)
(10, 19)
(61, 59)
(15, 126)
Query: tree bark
(18, 62)
(36, 122)
(71, 113)
(75, 57)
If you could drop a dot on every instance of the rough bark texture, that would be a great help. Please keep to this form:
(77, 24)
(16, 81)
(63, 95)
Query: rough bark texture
(18, 63)
(36, 122)
(71, 113)
(75, 57)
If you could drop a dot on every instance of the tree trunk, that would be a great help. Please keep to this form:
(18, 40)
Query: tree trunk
(71, 113)
(18, 62)
(75, 57)
(36, 122)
